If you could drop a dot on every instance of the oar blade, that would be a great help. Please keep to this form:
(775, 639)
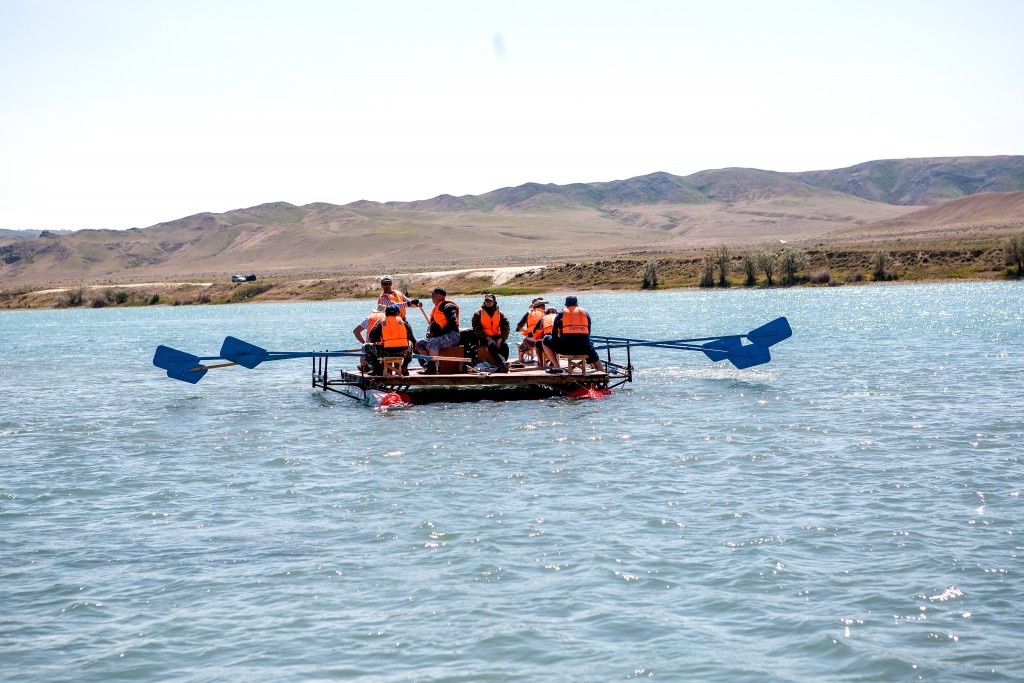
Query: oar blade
(245, 354)
(165, 358)
(186, 373)
(771, 333)
(750, 355)
(736, 352)
(719, 349)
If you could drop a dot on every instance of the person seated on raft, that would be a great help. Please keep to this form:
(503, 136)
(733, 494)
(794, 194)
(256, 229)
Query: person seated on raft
(376, 315)
(540, 330)
(491, 328)
(570, 336)
(527, 324)
(444, 328)
(391, 337)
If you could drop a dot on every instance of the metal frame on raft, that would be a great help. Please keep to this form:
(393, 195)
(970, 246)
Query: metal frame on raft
(527, 382)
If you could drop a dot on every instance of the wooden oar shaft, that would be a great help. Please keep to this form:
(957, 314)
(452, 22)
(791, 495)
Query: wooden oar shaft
(211, 367)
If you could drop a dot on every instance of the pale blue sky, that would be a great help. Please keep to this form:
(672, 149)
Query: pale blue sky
(121, 113)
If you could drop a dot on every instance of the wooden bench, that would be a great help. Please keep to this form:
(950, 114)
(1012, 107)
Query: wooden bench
(451, 367)
(393, 366)
(576, 363)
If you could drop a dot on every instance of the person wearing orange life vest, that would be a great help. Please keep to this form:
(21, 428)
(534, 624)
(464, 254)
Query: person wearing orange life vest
(444, 329)
(491, 328)
(391, 337)
(541, 330)
(389, 296)
(527, 324)
(363, 328)
(570, 336)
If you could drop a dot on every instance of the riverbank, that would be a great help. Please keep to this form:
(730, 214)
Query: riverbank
(821, 265)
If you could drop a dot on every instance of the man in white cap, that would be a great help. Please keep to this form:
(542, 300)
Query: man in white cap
(376, 315)
(392, 297)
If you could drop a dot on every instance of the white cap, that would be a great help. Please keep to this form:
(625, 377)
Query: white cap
(385, 278)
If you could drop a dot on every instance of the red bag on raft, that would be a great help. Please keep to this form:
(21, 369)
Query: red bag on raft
(590, 392)
(392, 399)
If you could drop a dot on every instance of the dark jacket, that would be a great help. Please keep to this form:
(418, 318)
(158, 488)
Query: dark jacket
(451, 314)
(503, 325)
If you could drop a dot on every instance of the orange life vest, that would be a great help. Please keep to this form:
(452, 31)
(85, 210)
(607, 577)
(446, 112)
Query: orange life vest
(438, 317)
(395, 297)
(547, 324)
(491, 323)
(574, 320)
(393, 333)
(532, 318)
(372, 321)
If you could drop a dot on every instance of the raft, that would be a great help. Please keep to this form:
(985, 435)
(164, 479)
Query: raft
(527, 382)
(454, 382)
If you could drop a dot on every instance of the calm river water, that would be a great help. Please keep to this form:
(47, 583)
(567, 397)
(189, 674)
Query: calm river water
(851, 511)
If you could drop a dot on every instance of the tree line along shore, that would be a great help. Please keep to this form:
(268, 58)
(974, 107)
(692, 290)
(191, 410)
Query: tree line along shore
(712, 268)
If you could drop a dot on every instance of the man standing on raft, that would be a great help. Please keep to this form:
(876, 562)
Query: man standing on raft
(389, 296)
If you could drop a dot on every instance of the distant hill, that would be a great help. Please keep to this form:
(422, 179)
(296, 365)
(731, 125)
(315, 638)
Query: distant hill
(658, 212)
(21, 234)
(922, 182)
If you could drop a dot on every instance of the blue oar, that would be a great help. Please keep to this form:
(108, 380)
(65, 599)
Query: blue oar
(249, 355)
(723, 348)
(182, 365)
(770, 333)
(726, 347)
(767, 335)
(733, 349)
(188, 367)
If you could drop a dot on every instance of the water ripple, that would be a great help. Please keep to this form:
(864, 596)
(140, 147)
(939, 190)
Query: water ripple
(850, 512)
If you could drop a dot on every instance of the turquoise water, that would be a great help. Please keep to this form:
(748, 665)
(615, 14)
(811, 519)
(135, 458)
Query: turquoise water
(851, 511)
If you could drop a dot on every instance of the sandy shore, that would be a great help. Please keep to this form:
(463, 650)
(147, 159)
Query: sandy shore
(498, 276)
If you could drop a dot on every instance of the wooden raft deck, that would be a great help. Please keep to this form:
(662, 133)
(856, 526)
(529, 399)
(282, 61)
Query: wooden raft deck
(527, 382)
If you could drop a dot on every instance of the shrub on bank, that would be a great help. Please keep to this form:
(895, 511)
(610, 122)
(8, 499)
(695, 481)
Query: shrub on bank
(822, 276)
(649, 275)
(1014, 250)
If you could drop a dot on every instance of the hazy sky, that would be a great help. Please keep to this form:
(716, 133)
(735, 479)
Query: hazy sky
(116, 113)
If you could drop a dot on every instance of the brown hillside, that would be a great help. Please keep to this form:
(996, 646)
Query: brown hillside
(990, 214)
(988, 207)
